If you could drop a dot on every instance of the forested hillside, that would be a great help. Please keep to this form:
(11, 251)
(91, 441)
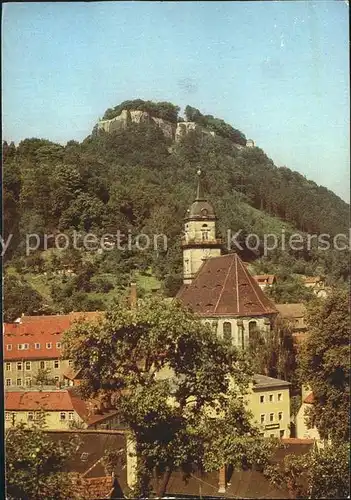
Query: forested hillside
(136, 180)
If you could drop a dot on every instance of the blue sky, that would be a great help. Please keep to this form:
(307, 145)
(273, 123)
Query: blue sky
(278, 71)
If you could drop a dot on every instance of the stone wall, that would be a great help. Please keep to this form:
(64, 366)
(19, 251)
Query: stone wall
(122, 121)
(172, 131)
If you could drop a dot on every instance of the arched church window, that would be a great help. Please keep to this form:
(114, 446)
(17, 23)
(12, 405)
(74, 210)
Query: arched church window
(227, 331)
(253, 331)
(204, 230)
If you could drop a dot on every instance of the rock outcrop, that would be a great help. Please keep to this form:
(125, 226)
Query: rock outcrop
(173, 131)
(126, 117)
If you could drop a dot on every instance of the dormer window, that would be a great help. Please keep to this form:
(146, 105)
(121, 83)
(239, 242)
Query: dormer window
(48, 345)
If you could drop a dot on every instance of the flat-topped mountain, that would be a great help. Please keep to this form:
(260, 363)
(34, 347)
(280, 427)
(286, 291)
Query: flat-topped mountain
(165, 116)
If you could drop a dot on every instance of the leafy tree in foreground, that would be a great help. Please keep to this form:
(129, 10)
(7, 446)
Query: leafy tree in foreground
(20, 297)
(321, 473)
(289, 290)
(274, 353)
(35, 465)
(325, 366)
(169, 376)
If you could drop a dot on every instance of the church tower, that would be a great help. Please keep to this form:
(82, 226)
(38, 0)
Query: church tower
(200, 240)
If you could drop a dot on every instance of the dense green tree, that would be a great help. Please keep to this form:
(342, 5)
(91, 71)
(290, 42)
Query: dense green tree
(325, 365)
(20, 297)
(166, 373)
(321, 473)
(35, 465)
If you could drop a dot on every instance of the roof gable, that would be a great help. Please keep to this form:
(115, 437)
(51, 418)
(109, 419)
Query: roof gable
(224, 287)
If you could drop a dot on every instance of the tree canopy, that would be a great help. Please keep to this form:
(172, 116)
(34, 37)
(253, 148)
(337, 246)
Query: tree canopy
(135, 180)
(175, 384)
(321, 473)
(325, 366)
(35, 465)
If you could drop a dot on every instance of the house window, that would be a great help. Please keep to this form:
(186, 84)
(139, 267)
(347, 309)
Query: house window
(28, 365)
(56, 363)
(263, 418)
(71, 415)
(252, 327)
(227, 331)
(48, 345)
(280, 415)
(36, 345)
(9, 347)
(58, 345)
(8, 367)
(25, 346)
(70, 363)
(63, 416)
(42, 365)
(20, 347)
(8, 382)
(19, 366)
(261, 399)
(30, 416)
(19, 381)
(271, 398)
(280, 396)
(28, 381)
(271, 417)
(253, 332)
(7, 416)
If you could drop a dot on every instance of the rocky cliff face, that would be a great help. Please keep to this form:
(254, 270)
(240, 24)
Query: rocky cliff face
(126, 117)
(172, 131)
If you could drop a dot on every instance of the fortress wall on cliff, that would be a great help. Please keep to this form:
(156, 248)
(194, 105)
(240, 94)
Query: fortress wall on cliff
(171, 130)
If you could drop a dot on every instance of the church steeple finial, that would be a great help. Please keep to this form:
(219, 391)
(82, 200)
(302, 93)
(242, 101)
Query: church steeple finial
(200, 196)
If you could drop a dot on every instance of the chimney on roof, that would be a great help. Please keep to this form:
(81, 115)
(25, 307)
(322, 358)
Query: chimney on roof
(221, 480)
(133, 295)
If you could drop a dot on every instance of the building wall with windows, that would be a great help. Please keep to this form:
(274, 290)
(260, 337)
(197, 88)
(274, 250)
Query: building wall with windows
(237, 331)
(59, 409)
(269, 402)
(34, 344)
(267, 398)
(53, 419)
(23, 372)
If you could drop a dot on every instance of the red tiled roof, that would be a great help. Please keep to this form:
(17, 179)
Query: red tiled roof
(297, 310)
(62, 318)
(71, 374)
(57, 400)
(309, 399)
(35, 400)
(40, 330)
(297, 441)
(265, 278)
(223, 286)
